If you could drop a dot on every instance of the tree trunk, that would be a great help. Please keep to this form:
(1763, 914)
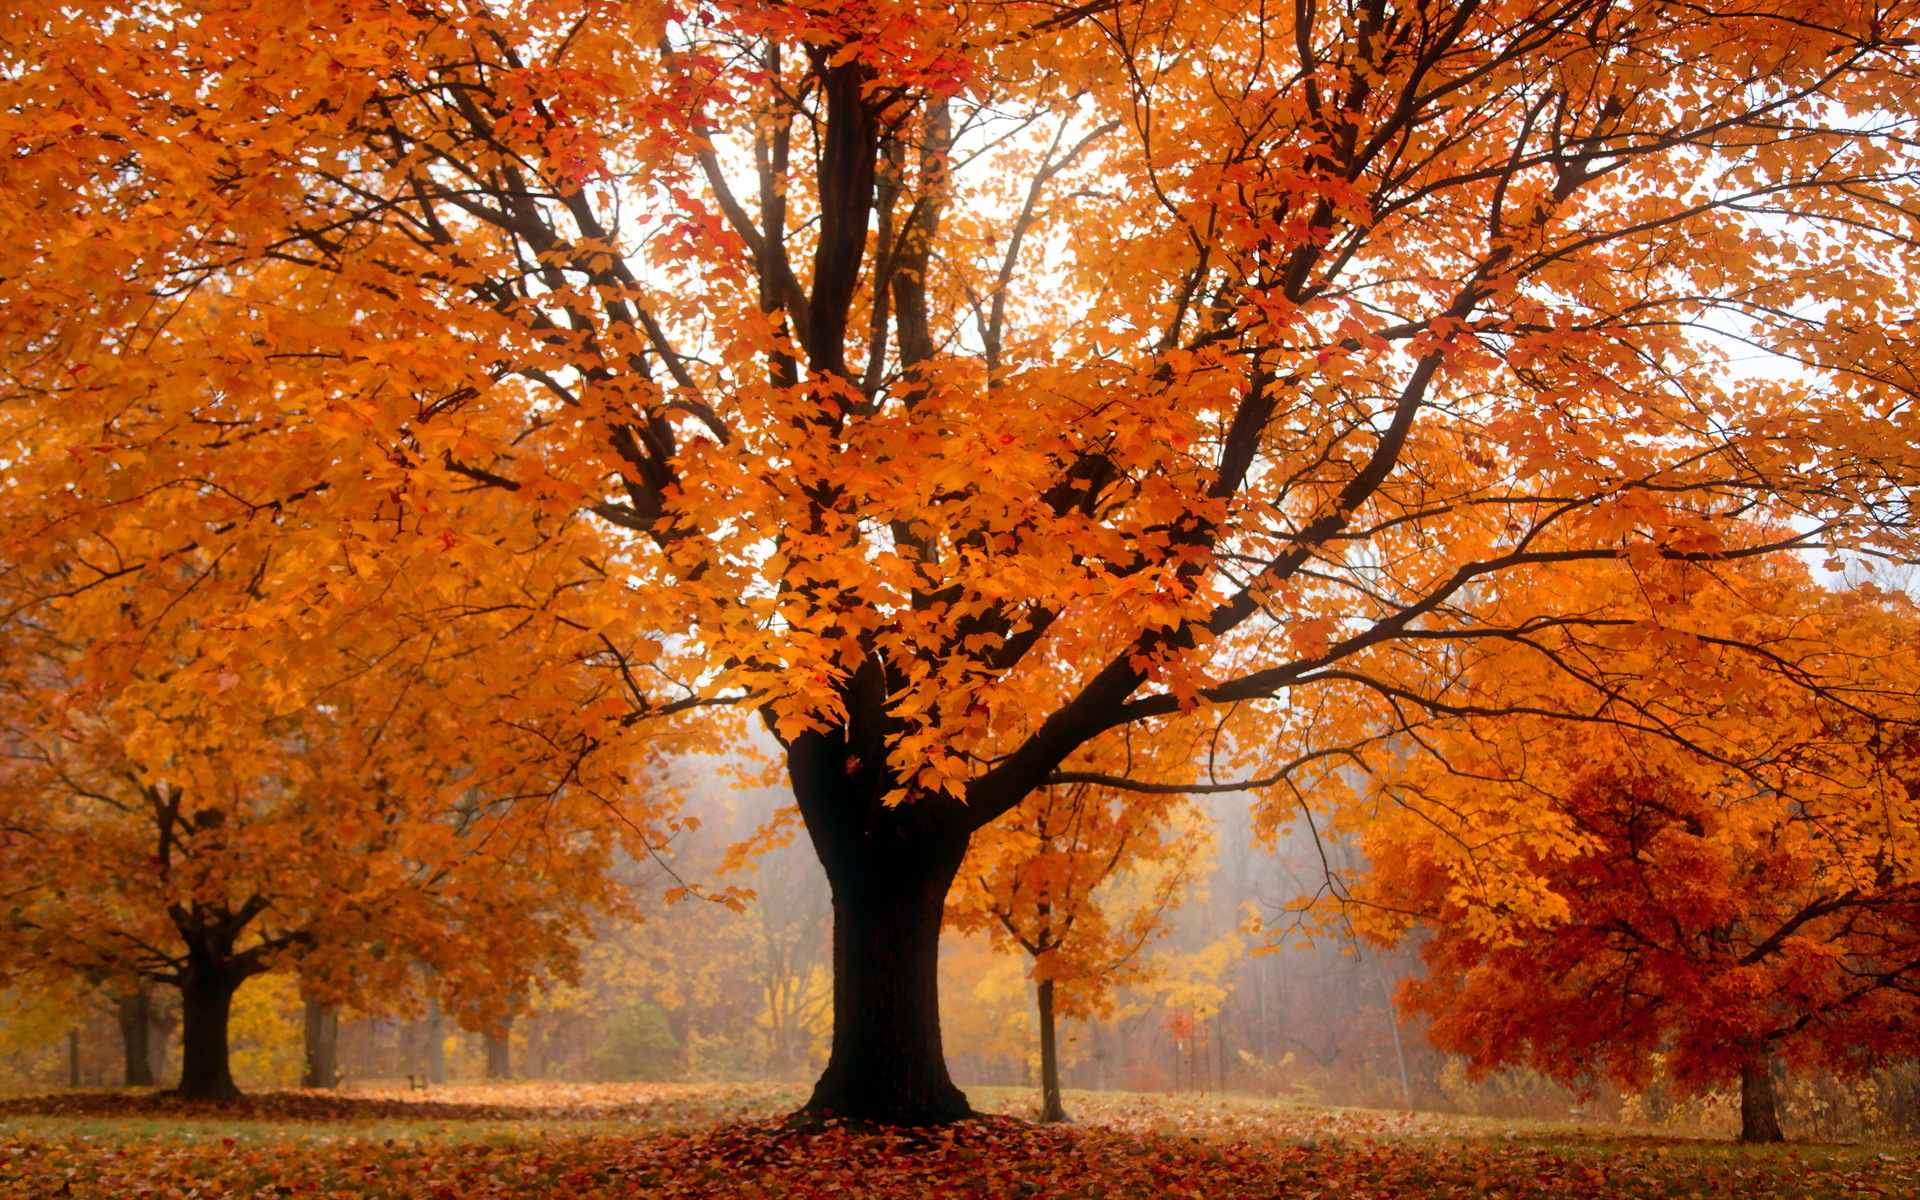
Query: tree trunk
(323, 1046)
(436, 1041)
(134, 1009)
(498, 1064)
(206, 1004)
(73, 1058)
(161, 1022)
(1050, 1106)
(1759, 1122)
(1393, 1023)
(1220, 1050)
(889, 866)
(887, 1065)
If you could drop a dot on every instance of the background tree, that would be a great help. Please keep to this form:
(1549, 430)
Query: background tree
(791, 913)
(320, 1044)
(1602, 904)
(971, 389)
(175, 839)
(1042, 881)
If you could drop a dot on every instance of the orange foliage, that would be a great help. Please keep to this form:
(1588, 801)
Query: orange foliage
(1603, 902)
(1038, 881)
(197, 802)
(957, 389)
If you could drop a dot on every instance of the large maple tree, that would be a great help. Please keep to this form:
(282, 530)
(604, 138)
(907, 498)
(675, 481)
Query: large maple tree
(967, 391)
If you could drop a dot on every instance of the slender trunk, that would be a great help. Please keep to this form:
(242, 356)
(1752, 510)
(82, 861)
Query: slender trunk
(1220, 1050)
(436, 1041)
(134, 1009)
(887, 1064)
(323, 1046)
(73, 1058)
(206, 1004)
(498, 1064)
(1050, 1106)
(1759, 1120)
(1196, 1082)
(1393, 1023)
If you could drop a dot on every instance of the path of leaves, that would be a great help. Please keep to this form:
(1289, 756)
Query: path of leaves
(994, 1157)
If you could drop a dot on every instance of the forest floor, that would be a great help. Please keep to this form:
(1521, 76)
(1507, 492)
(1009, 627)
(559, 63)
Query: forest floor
(600, 1142)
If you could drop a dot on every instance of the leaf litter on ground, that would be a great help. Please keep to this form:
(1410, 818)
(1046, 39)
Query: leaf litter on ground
(727, 1141)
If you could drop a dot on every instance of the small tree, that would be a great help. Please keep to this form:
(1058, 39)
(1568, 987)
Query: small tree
(1048, 880)
(1716, 952)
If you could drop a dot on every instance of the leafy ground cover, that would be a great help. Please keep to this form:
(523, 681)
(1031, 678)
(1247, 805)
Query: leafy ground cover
(601, 1143)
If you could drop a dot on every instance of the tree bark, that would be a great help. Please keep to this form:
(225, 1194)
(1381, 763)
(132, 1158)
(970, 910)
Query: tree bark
(206, 1005)
(162, 1020)
(134, 1010)
(73, 1058)
(889, 867)
(323, 1046)
(1050, 1107)
(1759, 1120)
(887, 1065)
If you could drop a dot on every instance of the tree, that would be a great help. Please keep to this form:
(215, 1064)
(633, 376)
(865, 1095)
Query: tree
(1041, 879)
(143, 1032)
(790, 917)
(1608, 905)
(968, 392)
(174, 839)
(320, 1038)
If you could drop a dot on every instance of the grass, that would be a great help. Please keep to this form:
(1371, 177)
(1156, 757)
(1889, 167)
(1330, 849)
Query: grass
(545, 1142)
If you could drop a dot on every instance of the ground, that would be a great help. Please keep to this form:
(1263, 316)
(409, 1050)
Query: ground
(547, 1142)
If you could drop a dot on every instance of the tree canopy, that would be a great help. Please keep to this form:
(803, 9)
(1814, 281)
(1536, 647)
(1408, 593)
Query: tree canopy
(388, 813)
(963, 392)
(1606, 905)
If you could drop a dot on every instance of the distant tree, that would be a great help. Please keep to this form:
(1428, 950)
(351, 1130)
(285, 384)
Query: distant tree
(143, 1030)
(1044, 881)
(793, 939)
(157, 836)
(320, 1044)
(639, 1045)
(1714, 950)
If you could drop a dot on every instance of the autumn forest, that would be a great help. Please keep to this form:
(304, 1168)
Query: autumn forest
(792, 595)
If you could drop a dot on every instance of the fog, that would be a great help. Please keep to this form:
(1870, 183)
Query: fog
(1237, 1001)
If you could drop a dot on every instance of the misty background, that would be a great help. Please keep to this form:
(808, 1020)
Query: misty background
(1238, 1002)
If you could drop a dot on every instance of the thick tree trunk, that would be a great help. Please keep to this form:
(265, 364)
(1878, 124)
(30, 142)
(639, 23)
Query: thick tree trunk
(323, 1046)
(206, 1004)
(134, 1010)
(1050, 1106)
(1759, 1120)
(889, 865)
(887, 1065)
